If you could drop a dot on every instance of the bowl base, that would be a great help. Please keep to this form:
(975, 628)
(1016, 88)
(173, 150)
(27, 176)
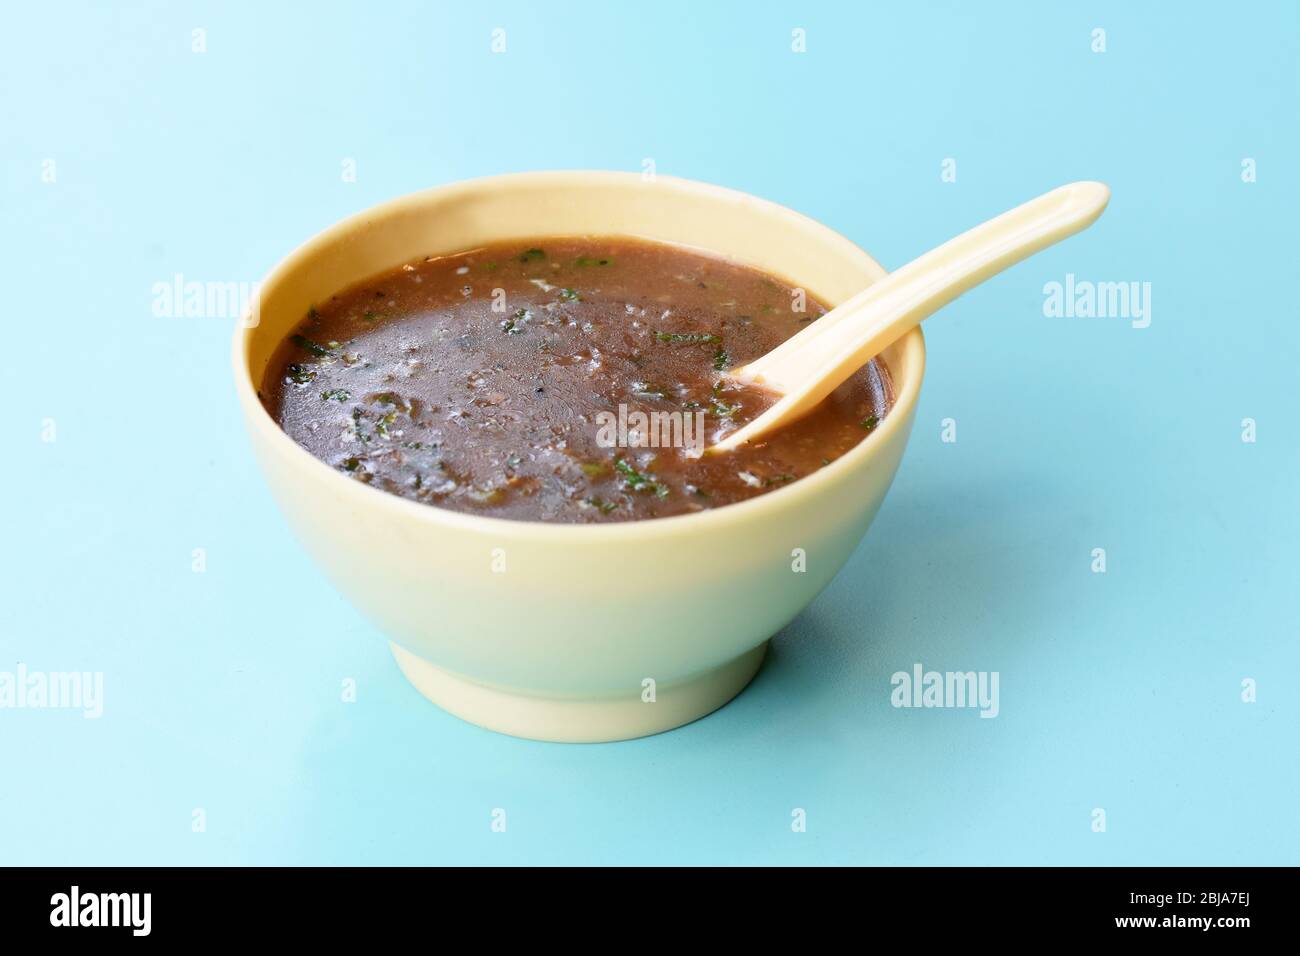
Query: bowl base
(579, 720)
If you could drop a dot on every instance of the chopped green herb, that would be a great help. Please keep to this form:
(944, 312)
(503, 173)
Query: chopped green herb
(593, 469)
(870, 423)
(358, 418)
(568, 295)
(515, 324)
(530, 254)
(351, 464)
(718, 406)
(371, 316)
(636, 481)
(585, 261)
(688, 337)
(489, 266)
(305, 343)
(604, 506)
(300, 374)
(721, 359)
(335, 395)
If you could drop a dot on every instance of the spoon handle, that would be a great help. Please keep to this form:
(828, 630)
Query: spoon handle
(812, 364)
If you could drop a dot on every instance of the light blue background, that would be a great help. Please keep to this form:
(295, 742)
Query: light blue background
(1120, 691)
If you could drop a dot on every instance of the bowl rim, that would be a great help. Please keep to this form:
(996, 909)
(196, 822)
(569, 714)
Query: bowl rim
(256, 416)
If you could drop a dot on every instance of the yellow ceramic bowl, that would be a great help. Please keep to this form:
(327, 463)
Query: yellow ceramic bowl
(558, 631)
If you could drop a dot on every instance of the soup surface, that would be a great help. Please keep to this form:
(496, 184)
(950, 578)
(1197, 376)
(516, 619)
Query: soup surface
(571, 379)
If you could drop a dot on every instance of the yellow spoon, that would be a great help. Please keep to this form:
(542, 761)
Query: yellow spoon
(809, 366)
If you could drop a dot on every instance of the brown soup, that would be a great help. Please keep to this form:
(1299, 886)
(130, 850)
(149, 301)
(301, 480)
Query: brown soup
(569, 379)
